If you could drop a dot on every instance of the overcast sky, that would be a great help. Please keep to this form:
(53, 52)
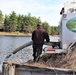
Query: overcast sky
(47, 10)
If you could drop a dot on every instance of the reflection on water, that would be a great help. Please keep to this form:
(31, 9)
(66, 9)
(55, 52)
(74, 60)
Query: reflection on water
(8, 44)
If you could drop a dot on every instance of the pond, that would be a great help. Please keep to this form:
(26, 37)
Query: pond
(9, 43)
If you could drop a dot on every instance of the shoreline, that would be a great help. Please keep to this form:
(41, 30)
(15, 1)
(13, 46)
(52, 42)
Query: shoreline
(14, 34)
(17, 34)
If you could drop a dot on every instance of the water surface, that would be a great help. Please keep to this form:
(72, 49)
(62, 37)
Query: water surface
(8, 44)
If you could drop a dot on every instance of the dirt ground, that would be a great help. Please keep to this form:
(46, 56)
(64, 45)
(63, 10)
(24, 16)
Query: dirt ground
(67, 61)
(62, 60)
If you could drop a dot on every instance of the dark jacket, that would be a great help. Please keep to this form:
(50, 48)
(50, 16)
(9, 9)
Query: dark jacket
(39, 35)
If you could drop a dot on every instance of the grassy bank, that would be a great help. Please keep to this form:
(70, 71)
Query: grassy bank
(14, 34)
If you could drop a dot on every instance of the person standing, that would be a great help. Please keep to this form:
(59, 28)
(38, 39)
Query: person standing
(38, 37)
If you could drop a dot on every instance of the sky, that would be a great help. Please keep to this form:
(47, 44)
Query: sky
(47, 10)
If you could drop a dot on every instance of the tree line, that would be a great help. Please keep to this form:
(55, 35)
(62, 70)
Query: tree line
(24, 23)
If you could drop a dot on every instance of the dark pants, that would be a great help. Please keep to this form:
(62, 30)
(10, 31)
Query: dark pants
(37, 50)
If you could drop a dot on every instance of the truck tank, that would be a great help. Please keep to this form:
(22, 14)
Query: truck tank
(67, 27)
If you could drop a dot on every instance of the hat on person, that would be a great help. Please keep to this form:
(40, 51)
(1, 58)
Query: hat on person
(38, 25)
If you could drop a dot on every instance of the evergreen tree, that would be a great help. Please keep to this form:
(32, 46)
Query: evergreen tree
(46, 27)
(13, 21)
(6, 24)
(1, 19)
(20, 22)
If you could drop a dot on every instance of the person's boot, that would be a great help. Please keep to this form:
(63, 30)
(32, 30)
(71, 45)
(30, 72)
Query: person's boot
(34, 60)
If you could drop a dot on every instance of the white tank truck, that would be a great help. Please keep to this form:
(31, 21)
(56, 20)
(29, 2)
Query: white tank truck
(67, 32)
(67, 29)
